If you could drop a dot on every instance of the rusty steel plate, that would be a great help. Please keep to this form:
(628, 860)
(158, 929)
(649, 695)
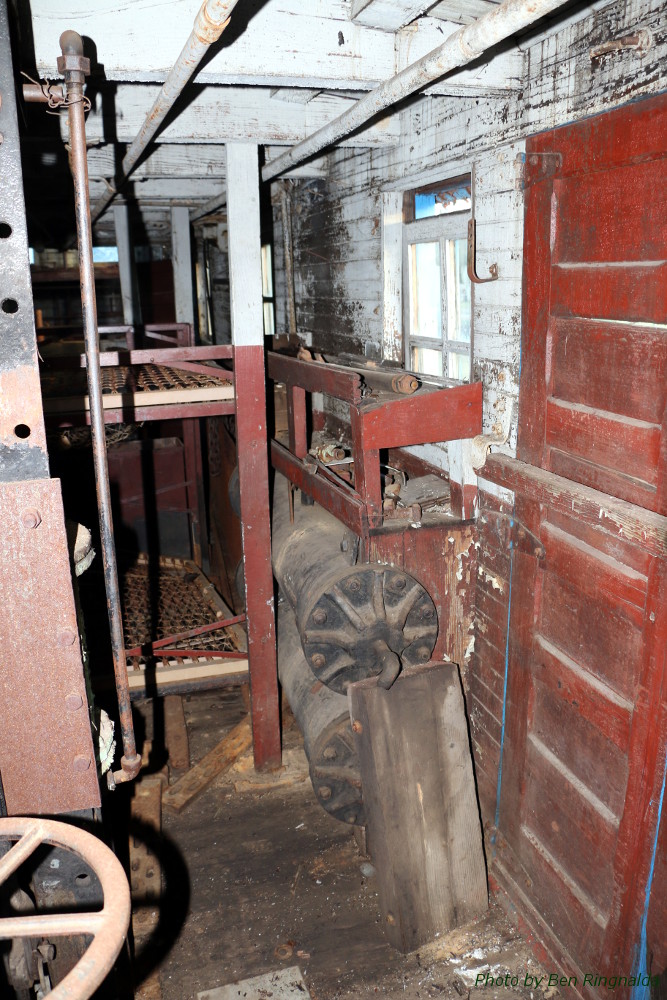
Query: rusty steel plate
(47, 760)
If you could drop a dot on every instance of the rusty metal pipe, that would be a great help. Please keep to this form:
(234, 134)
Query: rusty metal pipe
(75, 67)
(211, 21)
(462, 47)
(33, 93)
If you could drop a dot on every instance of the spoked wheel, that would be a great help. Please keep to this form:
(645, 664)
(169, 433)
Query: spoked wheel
(108, 926)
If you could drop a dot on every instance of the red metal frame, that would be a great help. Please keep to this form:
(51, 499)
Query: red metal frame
(378, 422)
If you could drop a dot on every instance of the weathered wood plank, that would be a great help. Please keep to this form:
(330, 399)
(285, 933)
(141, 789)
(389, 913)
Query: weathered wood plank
(217, 760)
(420, 799)
(234, 114)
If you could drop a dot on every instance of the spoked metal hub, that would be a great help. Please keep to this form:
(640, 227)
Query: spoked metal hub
(107, 927)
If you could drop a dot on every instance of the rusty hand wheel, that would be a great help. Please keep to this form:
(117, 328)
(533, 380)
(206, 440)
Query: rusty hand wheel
(107, 926)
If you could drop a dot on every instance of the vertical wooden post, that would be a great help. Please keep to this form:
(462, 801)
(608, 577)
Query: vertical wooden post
(129, 289)
(181, 259)
(245, 280)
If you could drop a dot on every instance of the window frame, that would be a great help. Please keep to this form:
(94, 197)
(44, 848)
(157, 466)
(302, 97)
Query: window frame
(438, 228)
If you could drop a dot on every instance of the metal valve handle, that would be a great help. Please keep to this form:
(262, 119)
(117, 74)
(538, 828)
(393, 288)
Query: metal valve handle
(107, 926)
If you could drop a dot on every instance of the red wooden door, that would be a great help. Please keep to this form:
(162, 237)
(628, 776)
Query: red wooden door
(584, 751)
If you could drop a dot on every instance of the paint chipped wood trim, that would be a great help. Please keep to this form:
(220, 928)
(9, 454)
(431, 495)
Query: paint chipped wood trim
(636, 524)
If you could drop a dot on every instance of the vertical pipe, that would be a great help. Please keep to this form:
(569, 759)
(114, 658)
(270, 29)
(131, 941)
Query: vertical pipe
(75, 67)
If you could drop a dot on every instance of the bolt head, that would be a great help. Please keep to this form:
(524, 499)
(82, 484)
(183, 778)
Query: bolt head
(319, 616)
(427, 613)
(329, 753)
(325, 792)
(351, 817)
(81, 762)
(31, 518)
(357, 726)
(67, 637)
(73, 702)
(424, 654)
(354, 585)
(317, 660)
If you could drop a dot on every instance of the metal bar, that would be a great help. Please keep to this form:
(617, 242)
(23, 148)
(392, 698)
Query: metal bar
(462, 47)
(155, 356)
(139, 414)
(348, 509)
(211, 21)
(20, 852)
(191, 633)
(184, 654)
(75, 66)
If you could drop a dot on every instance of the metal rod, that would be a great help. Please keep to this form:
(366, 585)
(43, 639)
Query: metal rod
(462, 47)
(75, 67)
(211, 21)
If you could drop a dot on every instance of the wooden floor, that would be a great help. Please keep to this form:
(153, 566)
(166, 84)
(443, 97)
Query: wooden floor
(259, 878)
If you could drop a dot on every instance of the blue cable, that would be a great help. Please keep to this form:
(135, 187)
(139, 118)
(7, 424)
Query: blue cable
(640, 969)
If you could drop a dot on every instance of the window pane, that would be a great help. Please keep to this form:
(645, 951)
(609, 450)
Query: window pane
(458, 291)
(269, 320)
(425, 298)
(453, 196)
(105, 255)
(459, 367)
(426, 360)
(267, 272)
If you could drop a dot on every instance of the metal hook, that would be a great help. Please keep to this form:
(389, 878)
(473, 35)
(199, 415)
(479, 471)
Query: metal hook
(493, 270)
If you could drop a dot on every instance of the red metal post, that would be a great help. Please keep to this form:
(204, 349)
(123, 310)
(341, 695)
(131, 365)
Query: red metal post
(252, 445)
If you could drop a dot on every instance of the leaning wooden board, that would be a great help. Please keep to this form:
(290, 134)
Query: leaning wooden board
(424, 827)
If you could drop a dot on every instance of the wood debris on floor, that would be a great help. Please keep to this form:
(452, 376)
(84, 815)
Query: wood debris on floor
(258, 878)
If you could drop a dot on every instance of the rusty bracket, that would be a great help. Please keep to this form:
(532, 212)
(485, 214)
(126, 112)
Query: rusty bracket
(512, 534)
(472, 250)
(538, 167)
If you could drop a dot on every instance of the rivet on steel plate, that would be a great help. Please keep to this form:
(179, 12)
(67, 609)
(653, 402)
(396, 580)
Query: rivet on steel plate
(357, 726)
(81, 762)
(319, 616)
(74, 702)
(31, 518)
(325, 792)
(67, 637)
(317, 660)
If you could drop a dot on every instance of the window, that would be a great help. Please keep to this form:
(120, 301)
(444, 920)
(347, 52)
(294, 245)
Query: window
(437, 301)
(267, 291)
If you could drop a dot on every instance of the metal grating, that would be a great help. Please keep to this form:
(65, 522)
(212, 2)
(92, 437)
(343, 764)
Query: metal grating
(128, 380)
(168, 597)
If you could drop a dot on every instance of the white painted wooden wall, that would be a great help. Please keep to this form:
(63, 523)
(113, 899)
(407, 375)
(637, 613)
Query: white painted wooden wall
(338, 221)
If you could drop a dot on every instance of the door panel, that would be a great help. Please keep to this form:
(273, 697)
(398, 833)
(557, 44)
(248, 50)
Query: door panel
(587, 697)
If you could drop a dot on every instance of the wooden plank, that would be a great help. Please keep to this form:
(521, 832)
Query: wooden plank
(561, 817)
(617, 367)
(162, 397)
(176, 733)
(617, 516)
(419, 791)
(626, 216)
(640, 292)
(594, 572)
(219, 759)
(603, 438)
(206, 674)
(235, 114)
(575, 621)
(608, 481)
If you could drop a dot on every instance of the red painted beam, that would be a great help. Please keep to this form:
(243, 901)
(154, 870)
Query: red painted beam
(347, 507)
(425, 417)
(251, 442)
